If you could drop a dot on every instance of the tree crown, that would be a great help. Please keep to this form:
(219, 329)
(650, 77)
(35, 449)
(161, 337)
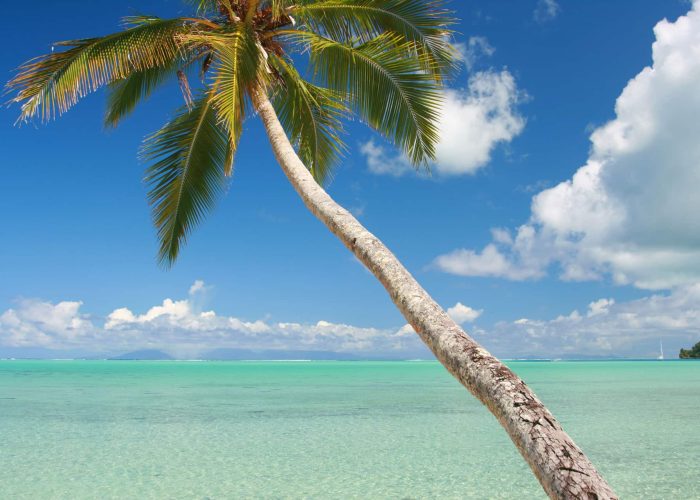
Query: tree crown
(383, 61)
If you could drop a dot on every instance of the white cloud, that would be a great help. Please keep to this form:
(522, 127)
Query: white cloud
(459, 313)
(601, 306)
(179, 327)
(173, 312)
(382, 161)
(463, 314)
(175, 326)
(609, 328)
(546, 10)
(473, 122)
(631, 211)
(489, 262)
(198, 287)
(405, 331)
(631, 328)
(38, 323)
(474, 49)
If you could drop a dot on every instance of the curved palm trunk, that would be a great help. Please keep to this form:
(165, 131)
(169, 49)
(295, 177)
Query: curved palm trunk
(560, 466)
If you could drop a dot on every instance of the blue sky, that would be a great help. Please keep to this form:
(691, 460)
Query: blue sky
(605, 264)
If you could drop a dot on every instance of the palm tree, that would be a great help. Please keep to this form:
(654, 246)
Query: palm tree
(381, 60)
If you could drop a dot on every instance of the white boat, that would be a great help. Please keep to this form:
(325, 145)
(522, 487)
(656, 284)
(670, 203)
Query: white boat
(661, 348)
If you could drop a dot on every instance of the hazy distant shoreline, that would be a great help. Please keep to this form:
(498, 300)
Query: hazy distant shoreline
(259, 355)
(359, 360)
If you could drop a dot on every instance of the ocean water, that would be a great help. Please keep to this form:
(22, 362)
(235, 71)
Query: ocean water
(119, 429)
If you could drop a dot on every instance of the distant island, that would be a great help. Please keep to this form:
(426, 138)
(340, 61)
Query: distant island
(279, 355)
(693, 353)
(143, 355)
(252, 355)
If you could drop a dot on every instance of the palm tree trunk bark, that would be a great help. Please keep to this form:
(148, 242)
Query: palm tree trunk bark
(557, 462)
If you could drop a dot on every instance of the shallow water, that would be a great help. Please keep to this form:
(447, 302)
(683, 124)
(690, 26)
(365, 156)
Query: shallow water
(119, 429)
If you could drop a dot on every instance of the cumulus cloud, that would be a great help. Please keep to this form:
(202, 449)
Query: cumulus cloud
(474, 49)
(631, 211)
(460, 313)
(198, 287)
(488, 262)
(463, 314)
(604, 328)
(473, 122)
(180, 327)
(546, 10)
(38, 323)
(608, 328)
(601, 306)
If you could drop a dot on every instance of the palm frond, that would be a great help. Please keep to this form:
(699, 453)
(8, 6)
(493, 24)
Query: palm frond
(425, 23)
(237, 71)
(49, 85)
(277, 7)
(207, 8)
(204, 7)
(124, 95)
(189, 158)
(312, 117)
(389, 91)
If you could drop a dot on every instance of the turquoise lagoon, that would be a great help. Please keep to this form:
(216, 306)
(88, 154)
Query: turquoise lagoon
(212, 430)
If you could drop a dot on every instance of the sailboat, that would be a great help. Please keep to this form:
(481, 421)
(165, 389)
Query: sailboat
(661, 346)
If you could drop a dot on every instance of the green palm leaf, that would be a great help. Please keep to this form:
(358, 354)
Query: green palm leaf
(204, 7)
(124, 95)
(425, 23)
(390, 91)
(49, 85)
(237, 72)
(383, 60)
(189, 158)
(208, 7)
(312, 117)
(278, 7)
